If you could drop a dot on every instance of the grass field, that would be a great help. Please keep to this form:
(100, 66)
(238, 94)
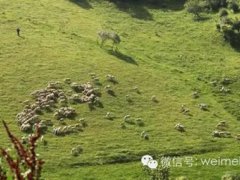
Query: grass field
(163, 52)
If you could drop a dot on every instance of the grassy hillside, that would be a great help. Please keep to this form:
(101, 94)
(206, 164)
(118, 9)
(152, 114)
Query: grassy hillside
(163, 52)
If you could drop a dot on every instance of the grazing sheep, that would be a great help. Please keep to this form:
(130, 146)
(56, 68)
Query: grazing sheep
(64, 101)
(26, 127)
(76, 151)
(77, 87)
(114, 37)
(203, 107)
(136, 89)
(67, 81)
(139, 122)
(83, 122)
(62, 131)
(231, 176)
(184, 110)
(180, 127)
(221, 134)
(222, 125)
(128, 99)
(54, 85)
(38, 110)
(144, 135)
(109, 90)
(214, 83)
(226, 81)
(126, 117)
(128, 120)
(109, 116)
(80, 149)
(27, 102)
(195, 94)
(43, 141)
(154, 99)
(237, 137)
(111, 78)
(75, 98)
(225, 90)
(42, 127)
(65, 112)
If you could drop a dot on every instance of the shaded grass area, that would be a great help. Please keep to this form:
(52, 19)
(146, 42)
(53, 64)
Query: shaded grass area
(82, 3)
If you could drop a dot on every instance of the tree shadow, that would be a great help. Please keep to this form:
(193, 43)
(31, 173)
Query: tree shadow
(139, 8)
(82, 3)
(135, 9)
(174, 5)
(122, 56)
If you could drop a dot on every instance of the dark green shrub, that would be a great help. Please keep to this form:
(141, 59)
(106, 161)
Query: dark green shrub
(214, 5)
(226, 21)
(161, 173)
(218, 26)
(236, 26)
(231, 176)
(223, 12)
(229, 35)
(233, 5)
(194, 7)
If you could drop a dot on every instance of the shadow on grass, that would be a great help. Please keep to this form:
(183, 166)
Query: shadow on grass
(82, 3)
(235, 44)
(201, 18)
(173, 5)
(135, 9)
(139, 8)
(122, 56)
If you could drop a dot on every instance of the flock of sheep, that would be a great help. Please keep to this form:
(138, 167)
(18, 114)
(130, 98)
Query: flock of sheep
(54, 99)
(221, 128)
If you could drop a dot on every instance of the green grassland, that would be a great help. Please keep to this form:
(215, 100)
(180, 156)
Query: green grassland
(163, 52)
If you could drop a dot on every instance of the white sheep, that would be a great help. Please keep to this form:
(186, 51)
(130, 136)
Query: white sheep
(180, 127)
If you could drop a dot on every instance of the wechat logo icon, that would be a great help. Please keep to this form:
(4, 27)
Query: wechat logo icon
(147, 160)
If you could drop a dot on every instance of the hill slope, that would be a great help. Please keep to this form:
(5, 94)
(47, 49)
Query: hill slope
(167, 55)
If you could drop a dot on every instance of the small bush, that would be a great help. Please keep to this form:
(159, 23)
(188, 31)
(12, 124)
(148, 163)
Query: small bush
(161, 173)
(139, 122)
(194, 7)
(231, 176)
(129, 121)
(234, 6)
(214, 5)
(223, 12)
(83, 122)
(144, 135)
(236, 26)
